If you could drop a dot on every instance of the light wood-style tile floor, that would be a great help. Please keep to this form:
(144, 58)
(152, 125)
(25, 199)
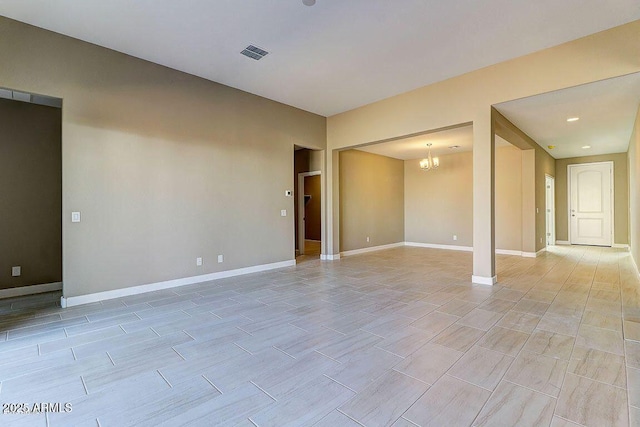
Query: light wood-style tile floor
(392, 338)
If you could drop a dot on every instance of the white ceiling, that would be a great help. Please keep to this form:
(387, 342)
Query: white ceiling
(607, 111)
(416, 147)
(443, 142)
(334, 56)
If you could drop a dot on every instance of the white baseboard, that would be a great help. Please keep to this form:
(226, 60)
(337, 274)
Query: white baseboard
(481, 280)
(372, 249)
(468, 249)
(621, 246)
(438, 246)
(562, 242)
(324, 257)
(134, 290)
(30, 290)
(509, 252)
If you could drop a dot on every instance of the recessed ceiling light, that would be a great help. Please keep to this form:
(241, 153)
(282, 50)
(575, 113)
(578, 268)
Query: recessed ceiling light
(453, 147)
(308, 2)
(573, 119)
(586, 146)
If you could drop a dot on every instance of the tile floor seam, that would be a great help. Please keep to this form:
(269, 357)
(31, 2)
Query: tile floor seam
(573, 422)
(212, 384)
(395, 354)
(417, 379)
(164, 378)
(178, 353)
(242, 348)
(335, 360)
(284, 352)
(84, 385)
(353, 419)
(298, 327)
(248, 333)
(343, 385)
(531, 389)
(263, 390)
(110, 358)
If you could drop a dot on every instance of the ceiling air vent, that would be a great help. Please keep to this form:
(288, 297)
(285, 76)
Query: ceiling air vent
(254, 52)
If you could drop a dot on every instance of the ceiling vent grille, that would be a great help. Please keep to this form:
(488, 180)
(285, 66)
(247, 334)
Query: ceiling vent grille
(254, 52)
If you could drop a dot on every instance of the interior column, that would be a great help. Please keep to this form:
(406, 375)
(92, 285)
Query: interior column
(484, 260)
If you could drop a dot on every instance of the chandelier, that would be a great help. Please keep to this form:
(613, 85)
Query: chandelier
(430, 162)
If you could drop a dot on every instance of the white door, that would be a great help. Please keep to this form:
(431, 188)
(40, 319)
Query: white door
(590, 204)
(550, 209)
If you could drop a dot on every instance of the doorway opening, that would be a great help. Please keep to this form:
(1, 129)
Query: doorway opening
(31, 185)
(550, 208)
(308, 203)
(309, 211)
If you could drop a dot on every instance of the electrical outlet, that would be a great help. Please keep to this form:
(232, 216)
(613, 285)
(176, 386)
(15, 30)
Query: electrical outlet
(455, 237)
(75, 216)
(16, 271)
(220, 258)
(368, 240)
(199, 261)
(283, 212)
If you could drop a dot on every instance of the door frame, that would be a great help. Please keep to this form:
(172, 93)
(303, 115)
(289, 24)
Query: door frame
(611, 196)
(300, 196)
(550, 225)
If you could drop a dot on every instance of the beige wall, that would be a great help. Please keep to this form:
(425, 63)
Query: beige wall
(508, 198)
(536, 164)
(438, 204)
(468, 98)
(164, 166)
(620, 196)
(315, 160)
(371, 200)
(634, 191)
(31, 191)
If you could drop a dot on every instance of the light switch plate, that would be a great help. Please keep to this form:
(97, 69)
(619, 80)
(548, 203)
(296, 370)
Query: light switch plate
(75, 216)
(283, 212)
